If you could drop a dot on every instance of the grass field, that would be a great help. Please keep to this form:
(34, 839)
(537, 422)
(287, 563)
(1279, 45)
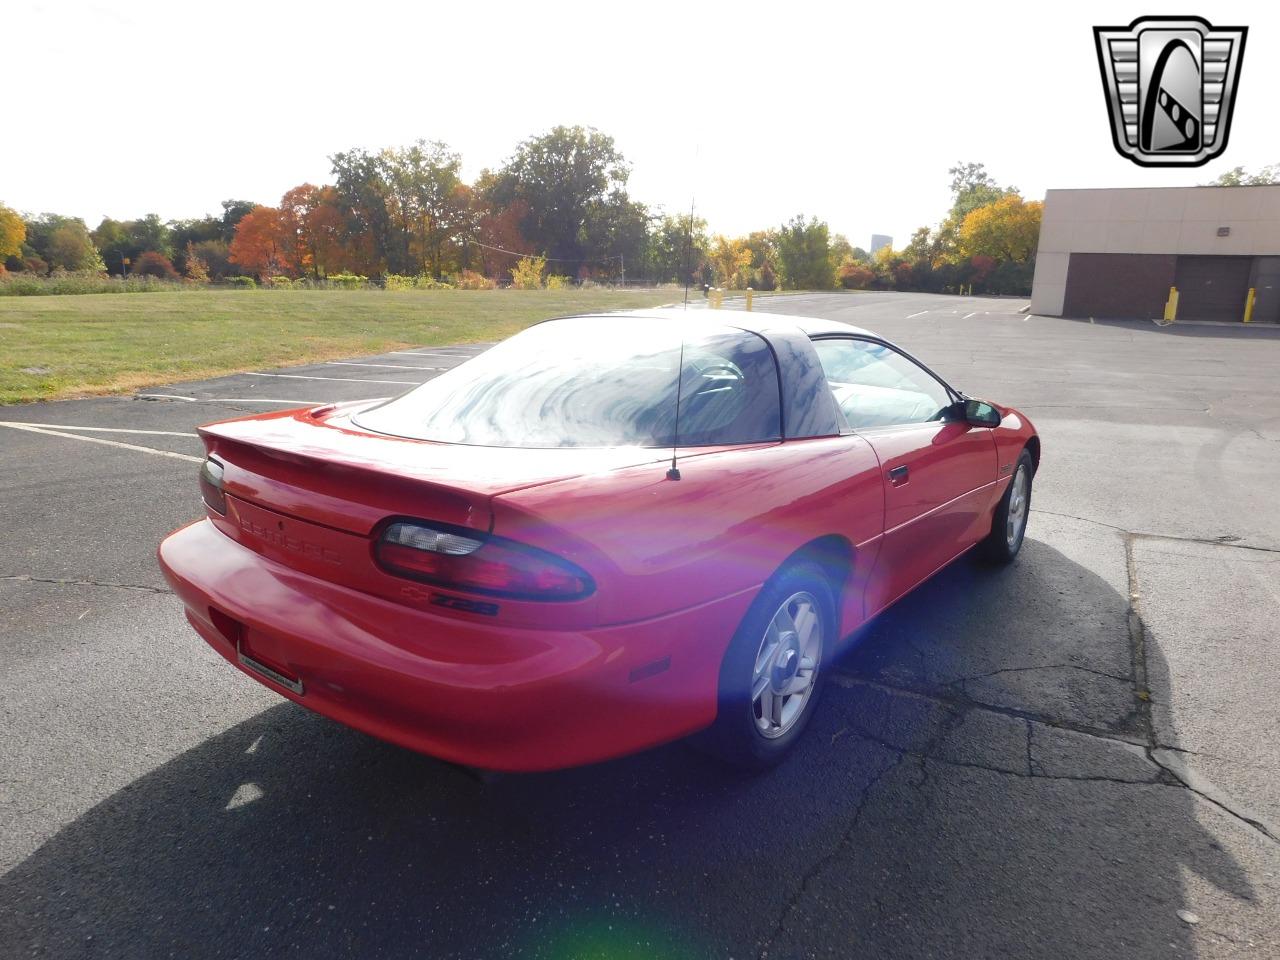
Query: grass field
(62, 346)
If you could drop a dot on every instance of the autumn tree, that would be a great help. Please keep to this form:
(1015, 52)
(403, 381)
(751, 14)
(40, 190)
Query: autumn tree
(494, 228)
(261, 244)
(730, 261)
(13, 232)
(1007, 229)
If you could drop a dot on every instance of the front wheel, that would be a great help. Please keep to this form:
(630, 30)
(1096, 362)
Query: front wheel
(1009, 525)
(772, 673)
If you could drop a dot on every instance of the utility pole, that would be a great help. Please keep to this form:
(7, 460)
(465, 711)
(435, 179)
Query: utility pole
(623, 260)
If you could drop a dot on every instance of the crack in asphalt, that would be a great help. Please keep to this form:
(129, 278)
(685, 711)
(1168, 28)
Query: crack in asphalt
(1142, 695)
(1167, 772)
(962, 701)
(925, 755)
(829, 857)
(1143, 535)
(961, 681)
(73, 582)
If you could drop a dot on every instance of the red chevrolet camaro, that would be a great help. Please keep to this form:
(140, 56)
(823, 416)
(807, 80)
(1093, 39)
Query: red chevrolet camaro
(604, 533)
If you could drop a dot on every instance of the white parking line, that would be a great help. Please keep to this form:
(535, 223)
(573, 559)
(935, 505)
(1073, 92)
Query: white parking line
(64, 426)
(418, 353)
(385, 366)
(968, 315)
(298, 376)
(106, 443)
(174, 396)
(920, 314)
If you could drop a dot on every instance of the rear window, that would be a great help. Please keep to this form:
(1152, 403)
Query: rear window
(598, 382)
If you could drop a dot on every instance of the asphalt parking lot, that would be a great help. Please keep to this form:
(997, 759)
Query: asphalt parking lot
(1072, 757)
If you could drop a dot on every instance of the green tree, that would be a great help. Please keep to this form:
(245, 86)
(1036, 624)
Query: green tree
(567, 176)
(1239, 177)
(233, 211)
(13, 233)
(129, 239)
(63, 243)
(615, 234)
(973, 187)
(428, 201)
(365, 195)
(677, 248)
(183, 234)
(804, 254)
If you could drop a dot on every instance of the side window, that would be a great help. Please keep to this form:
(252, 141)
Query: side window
(876, 386)
(729, 392)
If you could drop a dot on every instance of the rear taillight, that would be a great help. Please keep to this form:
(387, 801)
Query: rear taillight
(467, 560)
(211, 486)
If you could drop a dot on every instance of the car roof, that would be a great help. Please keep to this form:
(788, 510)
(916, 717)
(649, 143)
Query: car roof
(754, 321)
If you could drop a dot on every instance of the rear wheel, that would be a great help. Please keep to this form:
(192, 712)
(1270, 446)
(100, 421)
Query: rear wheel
(772, 674)
(1009, 525)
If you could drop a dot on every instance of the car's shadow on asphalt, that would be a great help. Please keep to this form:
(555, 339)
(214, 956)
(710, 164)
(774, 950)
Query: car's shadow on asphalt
(944, 803)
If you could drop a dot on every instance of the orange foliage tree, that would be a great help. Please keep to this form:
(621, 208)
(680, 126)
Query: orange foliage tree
(262, 245)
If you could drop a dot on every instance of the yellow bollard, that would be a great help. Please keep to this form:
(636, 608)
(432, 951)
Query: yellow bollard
(715, 298)
(1248, 304)
(750, 292)
(1171, 305)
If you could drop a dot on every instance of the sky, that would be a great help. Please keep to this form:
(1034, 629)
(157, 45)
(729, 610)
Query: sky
(757, 112)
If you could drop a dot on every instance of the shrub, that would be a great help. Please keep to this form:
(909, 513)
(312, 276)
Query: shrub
(527, 273)
(196, 267)
(152, 264)
(558, 282)
(470, 280)
(278, 283)
(348, 281)
(246, 282)
(856, 276)
(82, 281)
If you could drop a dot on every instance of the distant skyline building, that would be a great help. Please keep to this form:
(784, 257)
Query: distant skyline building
(878, 241)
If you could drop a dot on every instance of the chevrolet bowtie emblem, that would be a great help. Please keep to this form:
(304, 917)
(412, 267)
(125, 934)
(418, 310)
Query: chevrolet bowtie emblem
(1171, 85)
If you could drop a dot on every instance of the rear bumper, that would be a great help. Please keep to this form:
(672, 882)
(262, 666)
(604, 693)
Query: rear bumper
(485, 695)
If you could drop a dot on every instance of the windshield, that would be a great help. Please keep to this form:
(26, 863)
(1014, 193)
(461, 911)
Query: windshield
(598, 382)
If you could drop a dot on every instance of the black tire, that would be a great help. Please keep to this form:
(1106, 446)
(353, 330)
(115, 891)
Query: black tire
(999, 547)
(736, 735)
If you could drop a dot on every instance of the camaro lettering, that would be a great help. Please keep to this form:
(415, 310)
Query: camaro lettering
(278, 538)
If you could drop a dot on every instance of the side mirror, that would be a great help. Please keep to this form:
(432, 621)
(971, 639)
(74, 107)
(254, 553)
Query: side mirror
(979, 413)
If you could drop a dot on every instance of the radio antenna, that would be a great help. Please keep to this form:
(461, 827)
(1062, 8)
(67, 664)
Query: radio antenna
(674, 472)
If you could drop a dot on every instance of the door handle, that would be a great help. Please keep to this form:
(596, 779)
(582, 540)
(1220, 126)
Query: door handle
(898, 475)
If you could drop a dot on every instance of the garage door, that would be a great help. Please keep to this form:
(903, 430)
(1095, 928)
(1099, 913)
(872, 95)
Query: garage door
(1212, 288)
(1118, 285)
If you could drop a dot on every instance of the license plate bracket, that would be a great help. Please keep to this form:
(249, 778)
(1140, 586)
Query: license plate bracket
(261, 663)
